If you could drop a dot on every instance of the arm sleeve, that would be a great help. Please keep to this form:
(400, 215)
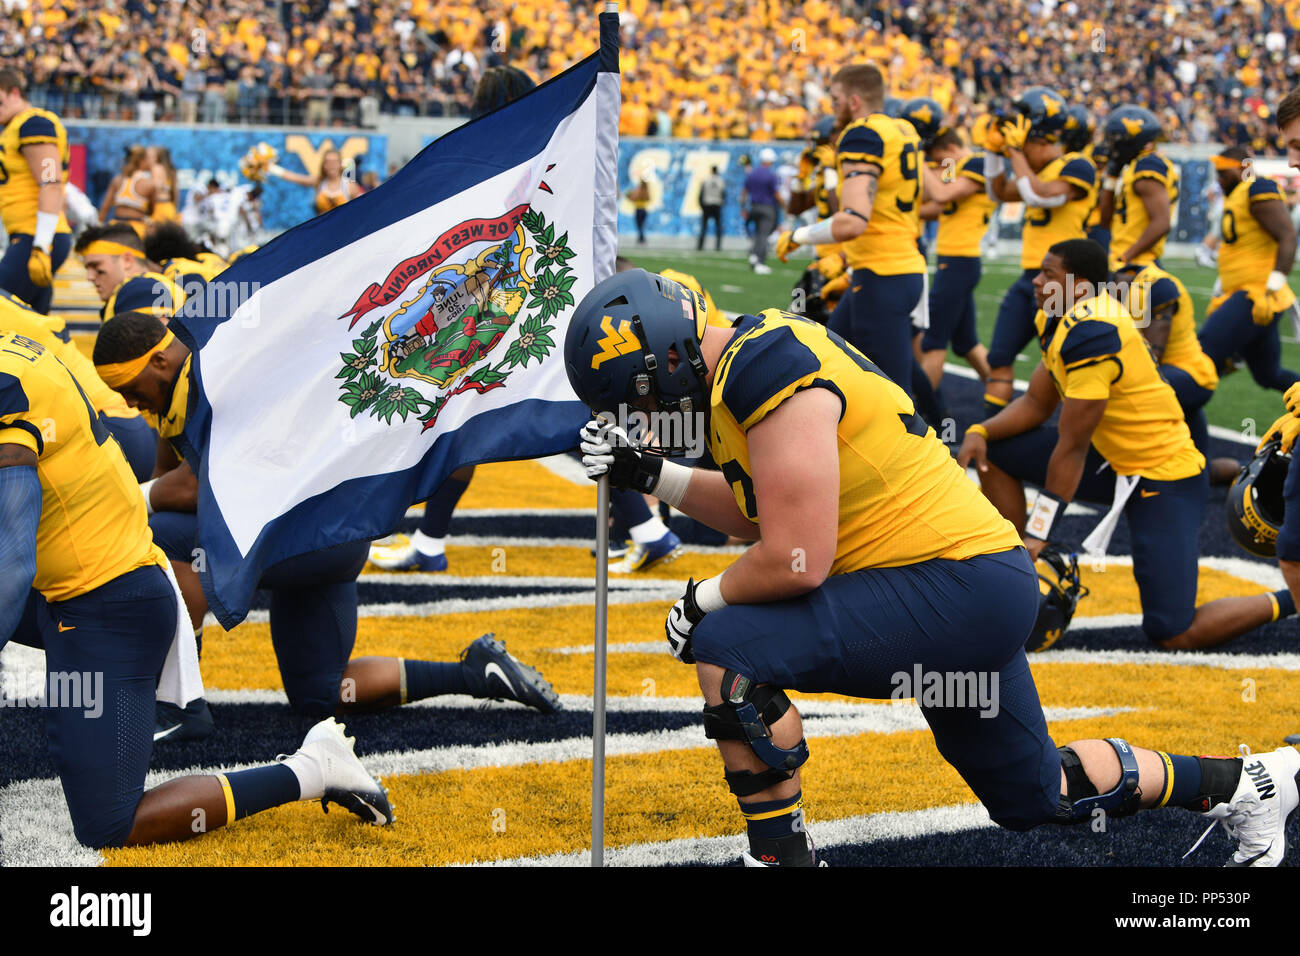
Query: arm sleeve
(1032, 198)
(20, 514)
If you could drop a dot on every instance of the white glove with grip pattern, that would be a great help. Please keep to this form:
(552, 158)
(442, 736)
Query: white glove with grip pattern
(683, 617)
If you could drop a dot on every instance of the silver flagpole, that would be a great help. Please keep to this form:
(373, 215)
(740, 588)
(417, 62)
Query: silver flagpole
(609, 31)
(598, 693)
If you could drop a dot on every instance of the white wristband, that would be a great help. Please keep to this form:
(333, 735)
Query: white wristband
(708, 595)
(818, 234)
(1043, 516)
(46, 224)
(1275, 281)
(1108, 184)
(673, 481)
(275, 169)
(145, 488)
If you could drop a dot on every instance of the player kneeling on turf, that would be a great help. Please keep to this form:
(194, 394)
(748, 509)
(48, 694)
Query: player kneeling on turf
(865, 528)
(81, 577)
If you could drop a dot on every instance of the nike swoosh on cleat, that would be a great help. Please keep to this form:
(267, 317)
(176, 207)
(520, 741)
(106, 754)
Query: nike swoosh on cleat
(1252, 859)
(495, 668)
(160, 734)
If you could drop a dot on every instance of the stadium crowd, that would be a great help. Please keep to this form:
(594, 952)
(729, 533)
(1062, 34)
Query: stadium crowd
(705, 69)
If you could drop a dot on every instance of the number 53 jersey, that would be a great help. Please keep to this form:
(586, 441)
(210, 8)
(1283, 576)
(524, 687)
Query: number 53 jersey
(888, 246)
(903, 499)
(93, 525)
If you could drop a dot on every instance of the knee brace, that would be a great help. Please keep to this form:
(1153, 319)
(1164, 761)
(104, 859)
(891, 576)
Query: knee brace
(746, 713)
(1081, 797)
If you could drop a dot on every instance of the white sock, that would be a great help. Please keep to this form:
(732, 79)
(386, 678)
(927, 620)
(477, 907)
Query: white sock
(427, 545)
(648, 531)
(311, 782)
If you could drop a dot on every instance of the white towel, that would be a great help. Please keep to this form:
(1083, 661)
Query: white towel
(1097, 542)
(180, 681)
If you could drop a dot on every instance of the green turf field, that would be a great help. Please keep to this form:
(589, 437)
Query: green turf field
(736, 288)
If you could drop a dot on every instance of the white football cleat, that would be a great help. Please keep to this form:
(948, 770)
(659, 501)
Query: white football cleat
(1258, 812)
(346, 781)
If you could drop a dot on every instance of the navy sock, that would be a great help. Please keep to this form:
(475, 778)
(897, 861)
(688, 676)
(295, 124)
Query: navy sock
(628, 508)
(1182, 780)
(1285, 604)
(772, 819)
(438, 509)
(433, 679)
(252, 791)
(776, 832)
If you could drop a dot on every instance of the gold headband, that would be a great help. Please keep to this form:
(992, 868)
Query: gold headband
(105, 247)
(1225, 163)
(120, 373)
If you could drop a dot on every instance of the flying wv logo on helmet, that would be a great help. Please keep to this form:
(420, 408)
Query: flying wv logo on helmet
(1046, 111)
(1059, 593)
(644, 356)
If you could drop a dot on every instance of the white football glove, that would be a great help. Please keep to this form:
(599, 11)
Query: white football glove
(683, 617)
(606, 449)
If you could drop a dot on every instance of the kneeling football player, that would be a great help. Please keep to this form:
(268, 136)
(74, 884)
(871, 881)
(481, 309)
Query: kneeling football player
(1116, 410)
(81, 577)
(864, 528)
(313, 596)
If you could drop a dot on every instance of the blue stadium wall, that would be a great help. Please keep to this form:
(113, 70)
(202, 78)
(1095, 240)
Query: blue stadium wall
(673, 169)
(203, 153)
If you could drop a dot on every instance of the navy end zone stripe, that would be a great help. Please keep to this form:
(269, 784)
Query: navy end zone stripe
(1089, 339)
(763, 366)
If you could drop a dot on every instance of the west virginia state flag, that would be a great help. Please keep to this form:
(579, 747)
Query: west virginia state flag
(345, 369)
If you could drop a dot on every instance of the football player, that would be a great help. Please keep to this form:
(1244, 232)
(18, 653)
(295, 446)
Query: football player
(823, 457)
(957, 198)
(33, 171)
(1116, 410)
(878, 162)
(1255, 254)
(81, 577)
(1058, 190)
(124, 278)
(313, 596)
(824, 281)
(123, 422)
(1138, 191)
(1078, 138)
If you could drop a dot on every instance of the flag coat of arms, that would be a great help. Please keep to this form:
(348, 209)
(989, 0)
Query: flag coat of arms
(345, 369)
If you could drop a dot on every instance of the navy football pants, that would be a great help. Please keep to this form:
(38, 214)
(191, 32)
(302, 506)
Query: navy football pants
(858, 632)
(110, 644)
(875, 316)
(1164, 522)
(313, 611)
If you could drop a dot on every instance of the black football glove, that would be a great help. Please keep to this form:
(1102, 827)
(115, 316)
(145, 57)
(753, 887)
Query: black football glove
(606, 449)
(681, 622)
